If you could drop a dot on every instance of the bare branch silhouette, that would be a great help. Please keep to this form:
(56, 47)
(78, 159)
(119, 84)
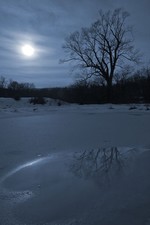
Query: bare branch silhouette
(103, 47)
(103, 164)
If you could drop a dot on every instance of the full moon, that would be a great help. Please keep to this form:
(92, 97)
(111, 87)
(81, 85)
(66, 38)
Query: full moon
(27, 50)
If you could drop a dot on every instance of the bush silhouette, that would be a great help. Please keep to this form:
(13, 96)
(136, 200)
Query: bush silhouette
(38, 100)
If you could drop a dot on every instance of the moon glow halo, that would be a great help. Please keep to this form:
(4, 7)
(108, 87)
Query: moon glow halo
(27, 50)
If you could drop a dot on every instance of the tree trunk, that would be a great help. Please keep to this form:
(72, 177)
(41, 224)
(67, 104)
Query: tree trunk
(109, 90)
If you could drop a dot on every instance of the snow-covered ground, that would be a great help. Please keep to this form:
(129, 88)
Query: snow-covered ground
(73, 164)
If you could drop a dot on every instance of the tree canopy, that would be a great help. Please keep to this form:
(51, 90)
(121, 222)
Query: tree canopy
(103, 47)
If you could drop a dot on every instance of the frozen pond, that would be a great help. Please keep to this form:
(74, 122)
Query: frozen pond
(52, 169)
(78, 188)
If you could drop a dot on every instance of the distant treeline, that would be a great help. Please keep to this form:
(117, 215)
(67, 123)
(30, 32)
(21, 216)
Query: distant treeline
(134, 89)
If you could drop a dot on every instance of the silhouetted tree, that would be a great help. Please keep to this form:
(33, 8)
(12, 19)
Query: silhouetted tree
(16, 86)
(102, 48)
(3, 82)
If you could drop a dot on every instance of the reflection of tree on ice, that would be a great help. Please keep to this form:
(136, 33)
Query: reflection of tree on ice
(103, 164)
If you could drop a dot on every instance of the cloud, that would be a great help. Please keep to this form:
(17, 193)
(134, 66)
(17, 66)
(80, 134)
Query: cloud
(46, 23)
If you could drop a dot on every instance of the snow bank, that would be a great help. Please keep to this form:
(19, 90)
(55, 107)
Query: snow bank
(10, 107)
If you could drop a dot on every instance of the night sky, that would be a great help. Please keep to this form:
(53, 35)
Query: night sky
(45, 23)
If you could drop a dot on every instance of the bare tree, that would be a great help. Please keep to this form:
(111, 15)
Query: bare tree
(15, 86)
(3, 82)
(102, 48)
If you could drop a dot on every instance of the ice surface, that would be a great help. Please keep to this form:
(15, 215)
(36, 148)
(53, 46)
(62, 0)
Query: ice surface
(40, 158)
(47, 191)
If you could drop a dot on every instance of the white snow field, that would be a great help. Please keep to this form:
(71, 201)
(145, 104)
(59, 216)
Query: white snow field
(74, 165)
